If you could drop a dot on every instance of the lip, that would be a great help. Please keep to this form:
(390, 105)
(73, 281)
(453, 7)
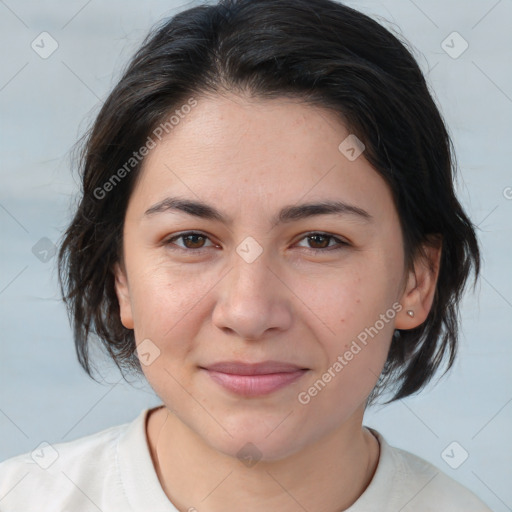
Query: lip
(254, 379)
(242, 368)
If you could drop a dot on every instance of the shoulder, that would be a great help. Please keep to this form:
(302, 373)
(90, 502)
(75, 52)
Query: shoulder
(414, 484)
(71, 473)
(434, 486)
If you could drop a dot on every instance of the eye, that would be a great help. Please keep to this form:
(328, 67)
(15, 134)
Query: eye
(323, 240)
(192, 240)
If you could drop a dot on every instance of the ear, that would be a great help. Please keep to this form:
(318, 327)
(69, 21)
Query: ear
(419, 291)
(123, 295)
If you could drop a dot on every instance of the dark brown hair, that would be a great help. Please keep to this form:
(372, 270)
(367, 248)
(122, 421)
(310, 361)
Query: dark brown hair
(326, 54)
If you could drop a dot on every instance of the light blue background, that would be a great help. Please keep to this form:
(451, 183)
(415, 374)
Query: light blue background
(47, 103)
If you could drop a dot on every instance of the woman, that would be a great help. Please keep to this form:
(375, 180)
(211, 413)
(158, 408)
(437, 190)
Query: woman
(268, 230)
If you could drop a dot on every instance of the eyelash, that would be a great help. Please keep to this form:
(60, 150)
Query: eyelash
(341, 244)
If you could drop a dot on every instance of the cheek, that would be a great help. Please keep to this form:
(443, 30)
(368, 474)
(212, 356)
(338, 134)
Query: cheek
(356, 322)
(353, 366)
(169, 309)
(165, 308)
(346, 301)
(163, 296)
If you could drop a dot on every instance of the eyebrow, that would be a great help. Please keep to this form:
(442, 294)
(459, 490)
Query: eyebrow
(286, 214)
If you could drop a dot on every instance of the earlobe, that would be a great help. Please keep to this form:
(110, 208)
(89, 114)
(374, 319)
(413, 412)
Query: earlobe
(419, 293)
(123, 296)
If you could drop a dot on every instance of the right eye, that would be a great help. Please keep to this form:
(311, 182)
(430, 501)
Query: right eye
(192, 241)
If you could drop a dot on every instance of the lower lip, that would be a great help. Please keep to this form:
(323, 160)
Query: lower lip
(255, 385)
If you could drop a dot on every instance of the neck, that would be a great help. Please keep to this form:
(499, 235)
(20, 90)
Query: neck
(327, 475)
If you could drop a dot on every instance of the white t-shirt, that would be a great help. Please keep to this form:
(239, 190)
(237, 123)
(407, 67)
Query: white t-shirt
(112, 471)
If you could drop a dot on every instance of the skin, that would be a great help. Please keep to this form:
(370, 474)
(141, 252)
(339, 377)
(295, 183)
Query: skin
(249, 158)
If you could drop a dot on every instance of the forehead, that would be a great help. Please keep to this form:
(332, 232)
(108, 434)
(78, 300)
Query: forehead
(252, 152)
(229, 125)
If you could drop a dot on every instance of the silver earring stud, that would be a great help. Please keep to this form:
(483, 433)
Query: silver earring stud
(410, 312)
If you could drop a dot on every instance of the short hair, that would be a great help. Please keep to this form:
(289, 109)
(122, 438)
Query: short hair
(325, 54)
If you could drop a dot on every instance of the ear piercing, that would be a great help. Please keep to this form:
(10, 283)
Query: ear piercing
(410, 312)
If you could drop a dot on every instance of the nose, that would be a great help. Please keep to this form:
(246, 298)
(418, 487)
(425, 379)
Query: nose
(253, 299)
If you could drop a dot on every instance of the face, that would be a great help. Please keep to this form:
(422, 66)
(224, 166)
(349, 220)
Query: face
(265, 279)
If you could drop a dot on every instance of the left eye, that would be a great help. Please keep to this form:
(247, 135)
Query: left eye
(194, 241)
(324, 240)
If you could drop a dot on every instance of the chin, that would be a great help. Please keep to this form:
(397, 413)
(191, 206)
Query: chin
(252, 447)
(257, 436)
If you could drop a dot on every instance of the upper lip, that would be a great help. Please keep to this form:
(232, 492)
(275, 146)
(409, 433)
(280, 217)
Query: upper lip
(265, 367)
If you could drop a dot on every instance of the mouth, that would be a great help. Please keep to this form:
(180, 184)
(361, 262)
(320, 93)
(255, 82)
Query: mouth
(254, 379)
